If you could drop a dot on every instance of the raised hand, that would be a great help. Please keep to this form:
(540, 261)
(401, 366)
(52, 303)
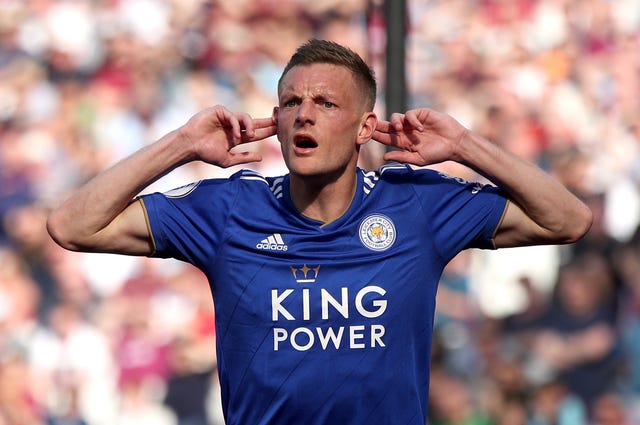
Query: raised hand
(422, 136)
(215, 131)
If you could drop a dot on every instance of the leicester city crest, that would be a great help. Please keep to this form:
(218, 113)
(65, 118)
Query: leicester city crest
(377, 232)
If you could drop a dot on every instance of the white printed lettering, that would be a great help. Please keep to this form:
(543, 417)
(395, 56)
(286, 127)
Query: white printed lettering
(309, 343)
(355, 333)
(381, 304)
(306, 308)
(303, 339)
(276, 305)
(306, 303)
(279, 335)
(328, 303)
(330, 335)
(341, 306)
(377, 332)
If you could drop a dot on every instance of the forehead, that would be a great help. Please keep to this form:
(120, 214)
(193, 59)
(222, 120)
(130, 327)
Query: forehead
(317, 78)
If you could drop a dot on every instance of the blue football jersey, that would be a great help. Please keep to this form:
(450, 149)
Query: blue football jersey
(325, 324)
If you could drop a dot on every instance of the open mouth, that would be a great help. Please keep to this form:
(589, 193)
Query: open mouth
(305, 142)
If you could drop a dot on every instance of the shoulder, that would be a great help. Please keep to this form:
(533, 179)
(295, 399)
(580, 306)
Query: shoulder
(244, 178)
(256, 181)
(400, 177)
(403, 173)
(241, 181)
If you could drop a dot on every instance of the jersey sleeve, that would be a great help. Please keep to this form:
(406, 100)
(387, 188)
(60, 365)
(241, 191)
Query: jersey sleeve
(460, 214)
(188, 223)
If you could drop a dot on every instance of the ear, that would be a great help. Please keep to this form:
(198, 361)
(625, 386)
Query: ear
(367, 127)
(274, 117)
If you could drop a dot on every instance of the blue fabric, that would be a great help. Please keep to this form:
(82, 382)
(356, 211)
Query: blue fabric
(321, 324)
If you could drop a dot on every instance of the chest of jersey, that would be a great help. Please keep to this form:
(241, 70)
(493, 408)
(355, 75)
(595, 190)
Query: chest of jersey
(315, 323)
(286, 284)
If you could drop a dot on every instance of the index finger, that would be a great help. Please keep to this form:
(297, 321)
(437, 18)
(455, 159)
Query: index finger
(252, 124)
(386, 138)
(263, 122)
(261, 133)
(258, 129)
(384, 126)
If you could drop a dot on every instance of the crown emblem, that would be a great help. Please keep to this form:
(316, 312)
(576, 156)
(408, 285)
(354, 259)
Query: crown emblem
(305, 274)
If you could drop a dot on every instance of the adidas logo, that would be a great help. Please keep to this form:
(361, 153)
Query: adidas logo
(273, 243)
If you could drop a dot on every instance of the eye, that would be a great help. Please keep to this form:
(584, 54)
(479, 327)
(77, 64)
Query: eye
(290, 103)
(329, 105)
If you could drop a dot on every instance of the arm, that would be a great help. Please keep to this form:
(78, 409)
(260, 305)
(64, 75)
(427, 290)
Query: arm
(568, 350)
(541, 211)
(101, 216)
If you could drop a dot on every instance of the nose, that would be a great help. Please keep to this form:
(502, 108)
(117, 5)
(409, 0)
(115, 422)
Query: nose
(306, 112)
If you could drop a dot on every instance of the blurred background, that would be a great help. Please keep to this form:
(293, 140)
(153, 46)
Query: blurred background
(535, 336)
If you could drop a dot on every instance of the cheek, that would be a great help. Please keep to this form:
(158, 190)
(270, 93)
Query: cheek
(281, 132)
(284, 124)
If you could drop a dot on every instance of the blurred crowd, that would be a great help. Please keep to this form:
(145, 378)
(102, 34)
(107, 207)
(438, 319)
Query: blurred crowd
(531, 336)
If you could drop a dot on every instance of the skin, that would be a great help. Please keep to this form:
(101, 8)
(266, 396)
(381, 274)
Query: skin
(541, 211)
(100, 216)
(320, 103)
(317, 104)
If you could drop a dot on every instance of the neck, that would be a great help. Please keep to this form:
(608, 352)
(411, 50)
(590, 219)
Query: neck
(321, 200)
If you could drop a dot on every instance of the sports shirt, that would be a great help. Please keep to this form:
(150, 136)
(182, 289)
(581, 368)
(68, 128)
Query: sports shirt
(324, 324)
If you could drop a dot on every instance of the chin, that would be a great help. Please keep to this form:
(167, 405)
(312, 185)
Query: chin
(306, 172)
(302, 166)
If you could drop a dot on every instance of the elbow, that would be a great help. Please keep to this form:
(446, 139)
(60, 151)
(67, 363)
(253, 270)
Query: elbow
(579, 224)
(58, 230)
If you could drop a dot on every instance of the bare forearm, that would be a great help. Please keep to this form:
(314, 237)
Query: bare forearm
(100, 215)
(556, 215)
(93, 218)
(542, 211)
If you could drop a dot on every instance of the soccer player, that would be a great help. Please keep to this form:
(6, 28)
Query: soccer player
(324, 279)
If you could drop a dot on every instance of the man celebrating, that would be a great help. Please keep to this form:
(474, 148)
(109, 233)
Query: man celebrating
(324, 279)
